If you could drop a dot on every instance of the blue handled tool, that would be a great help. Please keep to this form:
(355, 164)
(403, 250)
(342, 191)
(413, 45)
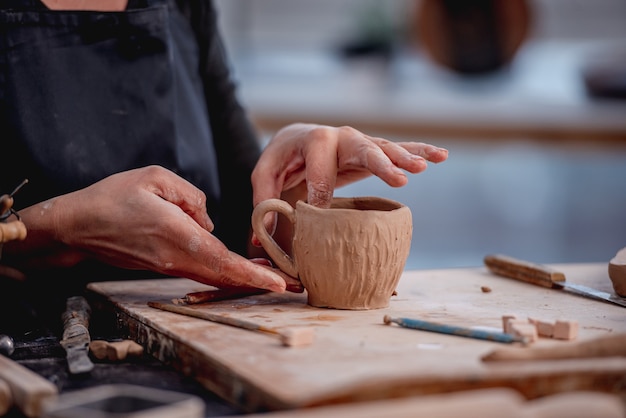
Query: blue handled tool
(495, 336)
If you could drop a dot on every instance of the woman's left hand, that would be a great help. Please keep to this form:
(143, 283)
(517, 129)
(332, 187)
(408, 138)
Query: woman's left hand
(316, 159)
(324, 157)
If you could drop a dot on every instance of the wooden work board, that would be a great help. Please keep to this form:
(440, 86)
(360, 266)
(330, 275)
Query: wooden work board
(355, 357)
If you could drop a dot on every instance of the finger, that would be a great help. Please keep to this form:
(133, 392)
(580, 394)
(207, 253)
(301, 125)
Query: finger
(376, 156)
(262, 262)
(321, 168)
(401, 158)
(183, 194)
(429, 152)
(385, 159)
(234, 270)
(292, 284)
(11, 273)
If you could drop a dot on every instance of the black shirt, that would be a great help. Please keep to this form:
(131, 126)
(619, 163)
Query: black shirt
(87, 94)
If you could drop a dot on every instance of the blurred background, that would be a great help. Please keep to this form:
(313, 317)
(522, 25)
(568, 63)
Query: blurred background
(529, 97)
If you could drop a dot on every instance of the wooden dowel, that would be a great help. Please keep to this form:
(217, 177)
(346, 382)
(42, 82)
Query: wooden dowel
(292, 337)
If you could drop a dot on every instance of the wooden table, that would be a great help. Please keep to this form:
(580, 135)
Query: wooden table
(355, 357)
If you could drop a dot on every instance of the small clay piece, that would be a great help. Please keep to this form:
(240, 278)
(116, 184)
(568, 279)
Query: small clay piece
(565, 330)
(524, 330)
(116, 350)
(617, 272)
(544, 328)
(485, 289)
(348, 256)
(506, 327)
(297, 337)
(508, 321)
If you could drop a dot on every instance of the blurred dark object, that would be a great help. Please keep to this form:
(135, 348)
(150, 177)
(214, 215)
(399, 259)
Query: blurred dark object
(604, 74)
(472, 36)
(375, 33)
(367, 48)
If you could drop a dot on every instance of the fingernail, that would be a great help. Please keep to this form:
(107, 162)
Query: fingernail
(255, 241)
(278, 287)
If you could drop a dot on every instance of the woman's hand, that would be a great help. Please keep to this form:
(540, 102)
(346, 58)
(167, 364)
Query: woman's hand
(148, 218)
(309, 161)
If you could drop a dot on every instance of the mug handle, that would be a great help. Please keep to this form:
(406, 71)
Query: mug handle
(278, 255)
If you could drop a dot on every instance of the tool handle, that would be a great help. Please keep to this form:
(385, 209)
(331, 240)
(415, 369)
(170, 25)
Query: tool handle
(453, 330)
(76, 317)
(525, 271)
(11, 231)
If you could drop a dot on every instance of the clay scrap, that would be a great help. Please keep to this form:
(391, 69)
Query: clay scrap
(534, 328)
(115, 350)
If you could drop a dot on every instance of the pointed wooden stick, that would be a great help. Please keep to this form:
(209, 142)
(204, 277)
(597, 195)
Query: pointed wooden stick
(290, 337)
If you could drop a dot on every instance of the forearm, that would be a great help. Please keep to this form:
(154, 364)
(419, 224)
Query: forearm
(41, 247)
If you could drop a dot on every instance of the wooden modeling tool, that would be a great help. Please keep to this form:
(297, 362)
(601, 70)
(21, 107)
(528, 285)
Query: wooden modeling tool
(544, 276)
(76, 336)
(194, 298)
(294, 337)
(421, 325)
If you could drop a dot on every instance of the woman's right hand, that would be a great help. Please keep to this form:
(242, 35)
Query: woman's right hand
(148, 218)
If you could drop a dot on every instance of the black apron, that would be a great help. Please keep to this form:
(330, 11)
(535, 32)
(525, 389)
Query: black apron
(86, 94)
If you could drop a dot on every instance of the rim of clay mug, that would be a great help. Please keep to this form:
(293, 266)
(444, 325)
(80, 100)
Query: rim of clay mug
(366, 203)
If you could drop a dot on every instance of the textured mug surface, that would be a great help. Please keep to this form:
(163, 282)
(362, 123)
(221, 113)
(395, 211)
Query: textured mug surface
(350, 256)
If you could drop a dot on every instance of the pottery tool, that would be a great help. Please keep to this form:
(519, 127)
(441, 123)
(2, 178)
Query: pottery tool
(605, 346)
(76, 335)
(194, 298)
(6, 202)
(6, 345)
(544, 276)
(289, 337)
(28, 389)
(422, 325)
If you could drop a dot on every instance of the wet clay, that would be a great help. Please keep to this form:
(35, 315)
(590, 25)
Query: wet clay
(350, 256)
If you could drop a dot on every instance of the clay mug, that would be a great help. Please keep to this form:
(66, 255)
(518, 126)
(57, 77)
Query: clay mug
(349, 256)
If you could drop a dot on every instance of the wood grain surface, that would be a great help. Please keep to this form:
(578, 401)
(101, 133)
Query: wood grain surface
(355, 357)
